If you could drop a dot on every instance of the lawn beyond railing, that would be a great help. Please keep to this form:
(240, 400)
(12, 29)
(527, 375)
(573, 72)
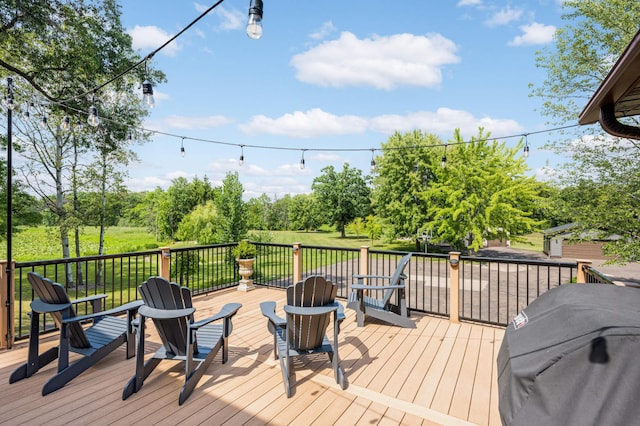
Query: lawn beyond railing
(489, 290)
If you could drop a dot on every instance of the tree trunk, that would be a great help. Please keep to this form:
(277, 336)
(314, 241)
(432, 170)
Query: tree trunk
(64, 232)
(76, 210)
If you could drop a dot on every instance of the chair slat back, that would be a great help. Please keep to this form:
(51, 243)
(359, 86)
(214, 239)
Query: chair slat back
(307, 332)
(159, 293)
(398, 277)
(54, 293)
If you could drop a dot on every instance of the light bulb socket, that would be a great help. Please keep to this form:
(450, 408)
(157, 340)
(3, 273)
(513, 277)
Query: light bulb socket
(182, 151)
(147, 94)
(66, 123)
(43, 122)
(241, 161)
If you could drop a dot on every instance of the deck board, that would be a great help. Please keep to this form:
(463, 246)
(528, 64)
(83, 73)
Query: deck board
(438, 373)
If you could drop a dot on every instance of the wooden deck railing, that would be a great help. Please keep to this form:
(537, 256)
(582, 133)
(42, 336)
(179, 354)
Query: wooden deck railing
(488, 290)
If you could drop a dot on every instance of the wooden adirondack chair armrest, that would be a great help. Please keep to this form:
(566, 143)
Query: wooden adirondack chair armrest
(46, 308)
(359, 277)
(89, 298)
(341, 315)
(311, 310)
(375, 287)
(268, 310)
(155, 313)
(227, 311)
(131, 306)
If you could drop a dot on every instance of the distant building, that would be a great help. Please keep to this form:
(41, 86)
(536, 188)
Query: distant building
(557, 244)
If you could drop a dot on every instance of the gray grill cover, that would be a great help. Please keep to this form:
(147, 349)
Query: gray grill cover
(572, 357)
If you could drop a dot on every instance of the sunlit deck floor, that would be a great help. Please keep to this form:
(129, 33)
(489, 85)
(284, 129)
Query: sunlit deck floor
(439, 373)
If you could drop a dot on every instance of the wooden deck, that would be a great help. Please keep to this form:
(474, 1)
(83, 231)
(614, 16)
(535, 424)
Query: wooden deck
(439, 373)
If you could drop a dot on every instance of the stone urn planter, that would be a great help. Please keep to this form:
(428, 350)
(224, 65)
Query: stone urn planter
(245, 253)
(246, 270)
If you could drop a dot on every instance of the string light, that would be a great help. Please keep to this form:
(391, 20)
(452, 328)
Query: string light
(241, 161)
(302, 161)
(373, 161)
(43, 122)
(182, 151)
(254, 25)
(147, 89)
(65, 123)
(443, 161)
(526, 146)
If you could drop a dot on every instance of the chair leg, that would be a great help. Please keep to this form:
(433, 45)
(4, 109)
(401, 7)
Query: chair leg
(65, 376)
(35, 361)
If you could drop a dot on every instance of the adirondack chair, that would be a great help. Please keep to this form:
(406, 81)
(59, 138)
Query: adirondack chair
(366, 301)
(195, 343)
(310, 306)
(93, 343)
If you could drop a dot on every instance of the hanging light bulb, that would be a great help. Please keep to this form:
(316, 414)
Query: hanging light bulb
(443, 161)
(147, 94)
(43, 122)
(254, 25)
(26, 113)
(182, 151)
(129, 137)
(526, 146)
(147, 89)
(302, 161)
(32, 107)
(373, 161)
(93, 118)
(241, 161)
(66, 123)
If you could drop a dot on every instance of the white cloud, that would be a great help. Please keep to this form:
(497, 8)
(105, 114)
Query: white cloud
(469, 3)
(503, 17)
(534, 33)
(324, 31)
(186, 122)
(152, 37)
(308, 124)
(382, 62)
(317, 123)
(443, 121)
(231, 19)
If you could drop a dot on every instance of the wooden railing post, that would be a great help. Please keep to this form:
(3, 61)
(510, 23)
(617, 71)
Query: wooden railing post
(454, 287)
(364, 262)
(7, 290)
(297, 262)
(165, 263)
(581, 277)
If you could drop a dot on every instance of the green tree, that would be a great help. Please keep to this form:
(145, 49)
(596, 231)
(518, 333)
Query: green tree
(258, 212)
(231, 210)
(147, 212)
(373, 228)
(403, 176)
(200, 225)
(595, 34)
(61, 51)
(305, 212)
(345, 195)
(484, 192)
(278, 218)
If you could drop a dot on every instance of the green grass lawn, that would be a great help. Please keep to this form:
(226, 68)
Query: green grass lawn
(42, 243)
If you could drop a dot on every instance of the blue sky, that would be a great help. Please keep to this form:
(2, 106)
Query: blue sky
(333, 76)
